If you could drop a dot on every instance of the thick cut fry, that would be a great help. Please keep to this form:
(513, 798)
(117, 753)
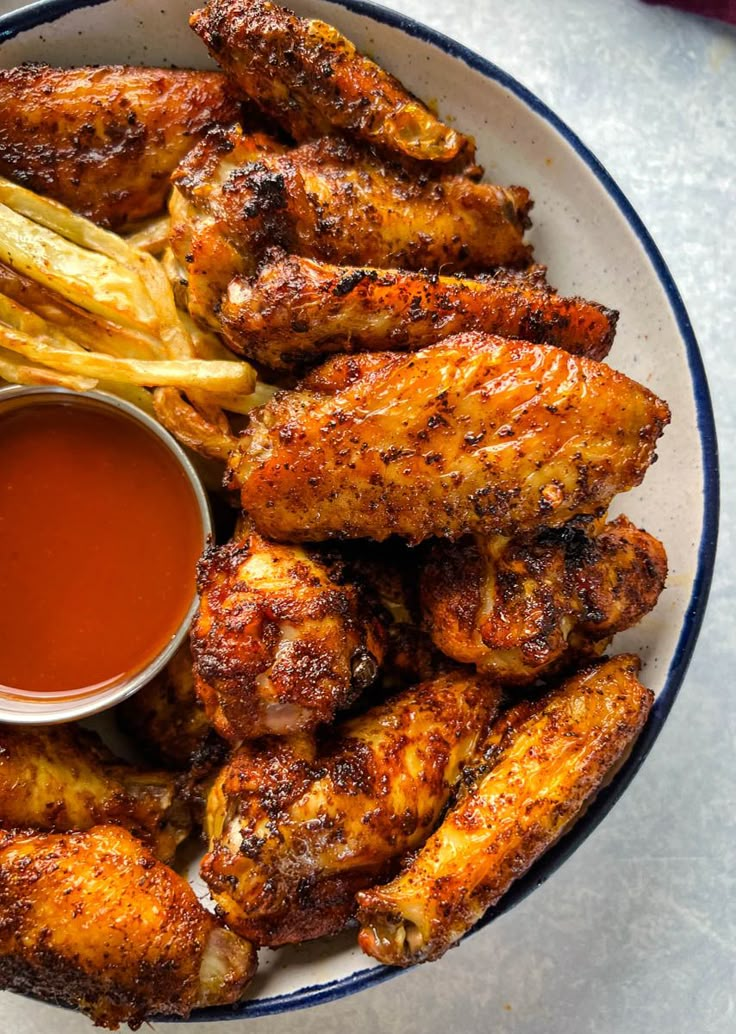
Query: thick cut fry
(296, 827)
(105, 140)
(86, 278)
(93, 920)
(191, 428)
(546, 762)
(15, 371)
(152, 237)
(205, 375)
(520, 608)
(297, 309)
(60, 778)
(333, 201)
(476, 434)
(85, 329)
(312, 80)
(282, 639)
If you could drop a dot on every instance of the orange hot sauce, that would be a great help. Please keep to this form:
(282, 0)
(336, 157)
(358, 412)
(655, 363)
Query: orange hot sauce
(100, 533)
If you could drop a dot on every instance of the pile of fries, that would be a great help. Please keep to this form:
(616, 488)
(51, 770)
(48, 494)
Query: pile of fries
(83, 308)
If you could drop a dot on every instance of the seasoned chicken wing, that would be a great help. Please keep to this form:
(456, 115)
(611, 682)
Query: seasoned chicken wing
(476, 434)
(282, 640)
(543, 762)
(104, 141)
(208, 253)
(312, 80)
(167, 721)
(333, 201)
(297, 826)
(518, 608)
(61, 777)
(297, 309)
(94, 921)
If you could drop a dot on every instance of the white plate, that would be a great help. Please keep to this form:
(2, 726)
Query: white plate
(594, 245)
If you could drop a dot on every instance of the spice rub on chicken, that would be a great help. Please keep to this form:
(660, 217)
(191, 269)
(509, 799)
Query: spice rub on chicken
(476, 434)
(282, 640)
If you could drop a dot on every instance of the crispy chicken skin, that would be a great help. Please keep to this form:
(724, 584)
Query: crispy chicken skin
(298, 309)
(207, 252)
(297, 826)
(334, 201)
(167, 721)
(282, 640)
(543, 762)
(104, 141)
(312, 80)
(476, 434)
(61, 777)
(518, 608)
(94, 921)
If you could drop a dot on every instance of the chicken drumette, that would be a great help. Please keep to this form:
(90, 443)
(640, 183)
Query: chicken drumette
(518, 608)
(282, 640)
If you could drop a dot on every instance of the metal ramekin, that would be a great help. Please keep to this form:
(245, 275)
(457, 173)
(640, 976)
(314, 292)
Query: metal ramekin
(26, 711)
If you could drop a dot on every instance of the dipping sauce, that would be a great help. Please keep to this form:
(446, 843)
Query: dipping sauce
(100, 532)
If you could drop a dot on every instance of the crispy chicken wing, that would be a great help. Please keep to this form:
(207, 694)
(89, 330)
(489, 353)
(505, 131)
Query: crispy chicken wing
(61, 777)
(94, 921)
(167, 721)
(298, 309)
(543, 763)
(104, 141)
(517, 608)
(476, 434)
(281, 641)
(297, 826)
(312, 80)
(333, 201)
(207, 252)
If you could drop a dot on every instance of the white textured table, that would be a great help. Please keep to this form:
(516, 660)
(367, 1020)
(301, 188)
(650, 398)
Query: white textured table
(637, 932)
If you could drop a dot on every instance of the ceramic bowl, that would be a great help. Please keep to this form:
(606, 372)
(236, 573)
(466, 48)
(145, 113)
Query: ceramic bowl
(594, 245)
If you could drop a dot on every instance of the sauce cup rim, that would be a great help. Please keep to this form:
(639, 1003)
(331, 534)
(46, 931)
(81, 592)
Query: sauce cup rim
(26, 711)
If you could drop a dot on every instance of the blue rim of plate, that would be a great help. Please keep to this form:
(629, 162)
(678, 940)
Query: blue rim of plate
(45, 11)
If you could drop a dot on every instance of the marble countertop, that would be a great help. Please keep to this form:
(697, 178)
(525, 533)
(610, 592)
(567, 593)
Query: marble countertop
(637, 932)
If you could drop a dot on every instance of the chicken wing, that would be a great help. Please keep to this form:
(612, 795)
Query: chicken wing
(297, 826)
(543, 763)
(518, 608)
(476, 434)
(94, 921)
(311, 79)
(281, 641)
(61, 777)
(333, 201)
(167, 721)
(104, 141)
(298, 309)
(208, 255)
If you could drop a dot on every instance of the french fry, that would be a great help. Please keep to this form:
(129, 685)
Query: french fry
(89, 331)
(93, 281)
(178, 373)
(152, 237)
(190, 427)
(245, 403)
(15, 371)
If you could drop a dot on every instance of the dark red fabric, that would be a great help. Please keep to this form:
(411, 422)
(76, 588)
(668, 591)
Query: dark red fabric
(723, 9)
